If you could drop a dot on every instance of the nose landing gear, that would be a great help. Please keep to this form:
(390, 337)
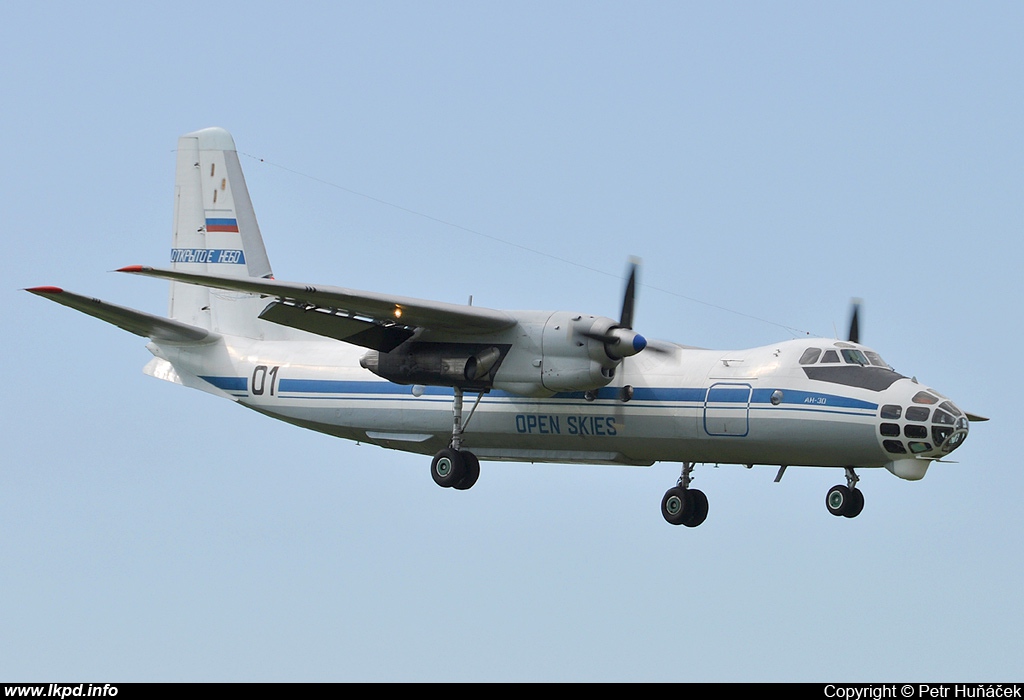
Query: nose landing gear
(682, 505)
(846, 501)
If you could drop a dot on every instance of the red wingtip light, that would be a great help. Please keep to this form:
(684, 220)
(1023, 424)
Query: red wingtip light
(131, 268)
(45, 290)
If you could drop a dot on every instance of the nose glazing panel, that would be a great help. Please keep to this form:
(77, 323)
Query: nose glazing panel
(929, 431)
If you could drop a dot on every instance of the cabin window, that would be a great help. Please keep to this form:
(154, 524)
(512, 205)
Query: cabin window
(918, 413)
(891, 412)
(810, 356)
(830, 356)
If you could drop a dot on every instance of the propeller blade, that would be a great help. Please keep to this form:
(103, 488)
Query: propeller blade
(629, 296)
(854, 336)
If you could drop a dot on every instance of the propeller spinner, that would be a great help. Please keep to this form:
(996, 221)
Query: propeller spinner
(622, 341)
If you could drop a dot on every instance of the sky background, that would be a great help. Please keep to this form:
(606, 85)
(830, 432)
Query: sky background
(768, 161)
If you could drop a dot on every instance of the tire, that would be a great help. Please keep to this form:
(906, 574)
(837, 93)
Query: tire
(472, 471)
(676, 505)
(700, 508)
(448, 467)
(838, 500)
(856, 504)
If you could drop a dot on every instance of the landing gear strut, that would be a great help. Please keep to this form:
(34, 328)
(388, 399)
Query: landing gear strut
(847, 501)
(682, 505)
(454, 467)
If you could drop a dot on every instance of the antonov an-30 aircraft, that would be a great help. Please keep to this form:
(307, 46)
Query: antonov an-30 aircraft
(544, 386)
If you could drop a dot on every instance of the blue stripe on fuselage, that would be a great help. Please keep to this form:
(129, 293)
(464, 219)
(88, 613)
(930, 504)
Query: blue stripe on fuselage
(228, 383)
(791, 398)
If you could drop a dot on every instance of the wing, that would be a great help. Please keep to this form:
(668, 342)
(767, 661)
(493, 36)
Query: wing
(372, 320)
(137, 322)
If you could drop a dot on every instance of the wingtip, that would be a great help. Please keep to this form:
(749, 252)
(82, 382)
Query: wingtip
(130, 268)
(45, 290)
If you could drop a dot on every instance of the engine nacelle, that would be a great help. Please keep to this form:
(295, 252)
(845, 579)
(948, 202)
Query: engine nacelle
(466, 365)
(574, 359)
(544, 354)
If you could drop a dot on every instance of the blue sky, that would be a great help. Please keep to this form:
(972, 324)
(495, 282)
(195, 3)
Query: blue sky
(767, 161)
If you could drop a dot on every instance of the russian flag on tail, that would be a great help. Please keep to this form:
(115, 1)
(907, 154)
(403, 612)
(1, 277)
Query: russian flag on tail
(222, 225)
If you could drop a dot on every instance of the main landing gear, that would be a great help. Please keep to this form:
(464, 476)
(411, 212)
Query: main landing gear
(847, 501)
(683, 505)
(454, 467)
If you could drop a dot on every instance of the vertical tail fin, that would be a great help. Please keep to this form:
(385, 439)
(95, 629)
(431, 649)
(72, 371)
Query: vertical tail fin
(215, 231)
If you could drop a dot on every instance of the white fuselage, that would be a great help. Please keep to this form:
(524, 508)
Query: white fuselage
(754, 406)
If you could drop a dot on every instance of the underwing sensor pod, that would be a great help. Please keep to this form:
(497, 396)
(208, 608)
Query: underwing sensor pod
(550, 386)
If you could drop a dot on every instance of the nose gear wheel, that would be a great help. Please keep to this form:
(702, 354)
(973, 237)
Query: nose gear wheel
(682, 505)
(846, 501)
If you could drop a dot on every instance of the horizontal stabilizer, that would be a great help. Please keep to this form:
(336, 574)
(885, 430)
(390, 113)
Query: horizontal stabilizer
(381, 308)
(137, 322)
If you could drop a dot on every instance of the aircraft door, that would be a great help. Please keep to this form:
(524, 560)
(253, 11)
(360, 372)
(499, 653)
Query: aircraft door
(727, 410)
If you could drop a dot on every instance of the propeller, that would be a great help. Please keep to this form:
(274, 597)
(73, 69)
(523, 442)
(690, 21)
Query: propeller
(622, 341)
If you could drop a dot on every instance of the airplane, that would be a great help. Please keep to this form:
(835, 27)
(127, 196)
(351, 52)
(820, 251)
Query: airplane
(549, 386)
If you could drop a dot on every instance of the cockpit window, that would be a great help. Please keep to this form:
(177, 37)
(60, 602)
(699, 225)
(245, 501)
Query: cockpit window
(875, 359)
(830, 356)
(855, 357)
(810, 356)
(943, 417)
